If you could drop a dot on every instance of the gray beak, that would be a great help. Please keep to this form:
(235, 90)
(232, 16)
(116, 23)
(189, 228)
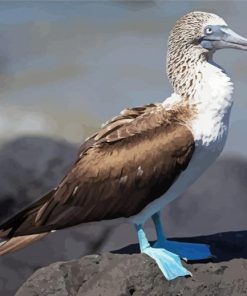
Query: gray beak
(232, 40)
(223, 37)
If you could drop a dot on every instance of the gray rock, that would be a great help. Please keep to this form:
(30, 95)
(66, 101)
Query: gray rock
(137, 274)
(29, 167)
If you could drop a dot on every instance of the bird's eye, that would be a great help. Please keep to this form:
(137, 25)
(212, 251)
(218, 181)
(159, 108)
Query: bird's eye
(208, 30)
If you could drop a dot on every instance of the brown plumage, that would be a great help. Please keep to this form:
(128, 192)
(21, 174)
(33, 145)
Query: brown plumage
(132, 160)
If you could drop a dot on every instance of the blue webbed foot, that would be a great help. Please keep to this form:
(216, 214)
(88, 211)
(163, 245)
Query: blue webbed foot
(186, 251)
(169, 263)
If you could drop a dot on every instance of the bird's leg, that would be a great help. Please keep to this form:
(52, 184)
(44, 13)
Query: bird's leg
(161, 238)
(169, 263)
(186, 251)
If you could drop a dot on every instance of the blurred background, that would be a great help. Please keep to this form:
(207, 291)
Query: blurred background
(66, 67)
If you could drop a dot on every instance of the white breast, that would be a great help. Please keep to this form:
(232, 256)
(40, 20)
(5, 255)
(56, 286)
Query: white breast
(213, 100)
(209, 128)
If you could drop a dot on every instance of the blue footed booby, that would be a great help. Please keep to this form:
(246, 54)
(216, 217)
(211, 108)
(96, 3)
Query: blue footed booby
(144, 158)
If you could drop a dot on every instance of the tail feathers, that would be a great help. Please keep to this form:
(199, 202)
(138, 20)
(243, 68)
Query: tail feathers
(19, 242)
(24, 222)
(21, 230)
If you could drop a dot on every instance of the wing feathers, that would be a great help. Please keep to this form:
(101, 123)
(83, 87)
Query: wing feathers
(130, 162)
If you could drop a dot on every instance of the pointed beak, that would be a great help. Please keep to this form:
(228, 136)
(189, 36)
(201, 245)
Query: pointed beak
(232, 40)
(223, 37)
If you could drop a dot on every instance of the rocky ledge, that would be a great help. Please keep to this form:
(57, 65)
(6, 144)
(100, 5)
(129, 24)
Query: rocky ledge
(123, 274)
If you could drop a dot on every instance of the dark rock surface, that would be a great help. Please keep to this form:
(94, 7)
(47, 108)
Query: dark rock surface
(137, 274)
(30, 166)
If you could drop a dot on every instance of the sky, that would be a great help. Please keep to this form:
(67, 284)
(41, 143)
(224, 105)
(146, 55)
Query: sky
(66, 67)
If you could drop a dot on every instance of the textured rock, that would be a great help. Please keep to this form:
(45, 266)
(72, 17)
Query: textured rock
(137, 274)
(29, 167)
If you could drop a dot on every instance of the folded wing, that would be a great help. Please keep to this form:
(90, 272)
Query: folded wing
(131, 161)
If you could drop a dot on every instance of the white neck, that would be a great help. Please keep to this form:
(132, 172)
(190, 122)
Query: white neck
(212, 98)
(213, 102)
(213, 92)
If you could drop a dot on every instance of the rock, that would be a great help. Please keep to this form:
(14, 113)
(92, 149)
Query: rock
(29, 167)
(137, 274)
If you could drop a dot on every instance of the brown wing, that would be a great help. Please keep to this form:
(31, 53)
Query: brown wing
(126, 116)
(120, 170)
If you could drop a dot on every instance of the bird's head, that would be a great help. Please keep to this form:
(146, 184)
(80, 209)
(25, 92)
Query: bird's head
(194, 38)
(206, 31)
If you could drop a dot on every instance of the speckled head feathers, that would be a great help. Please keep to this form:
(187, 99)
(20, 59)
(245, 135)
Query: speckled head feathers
(189, 28)
(184, 49)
